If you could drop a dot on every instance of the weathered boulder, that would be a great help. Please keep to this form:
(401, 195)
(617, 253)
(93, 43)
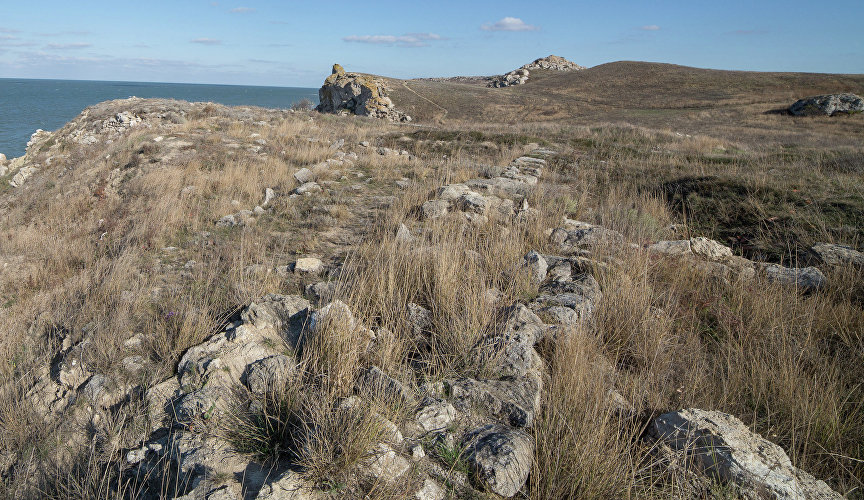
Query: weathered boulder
(838, 255)
(723, 448)
(829, 104)
(356, 93)
(501, 457)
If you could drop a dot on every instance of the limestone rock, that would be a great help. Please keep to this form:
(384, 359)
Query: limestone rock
(838, 255)
(536, 266)
(288, 486)
(304, 175)
(430, 491)
(359, 94)
(501, 457)
(308, 265)
(723, 448)
(806, 278)
(270, 373)
(829, 104)
(709, 249)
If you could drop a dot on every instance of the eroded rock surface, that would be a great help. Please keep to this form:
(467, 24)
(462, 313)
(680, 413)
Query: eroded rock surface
(723, 448)
(359, 94)
(827, 105)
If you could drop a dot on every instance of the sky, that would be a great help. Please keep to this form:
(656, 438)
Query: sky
(294, 43)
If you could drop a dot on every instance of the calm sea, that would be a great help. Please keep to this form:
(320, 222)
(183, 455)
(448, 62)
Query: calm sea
(26, 105)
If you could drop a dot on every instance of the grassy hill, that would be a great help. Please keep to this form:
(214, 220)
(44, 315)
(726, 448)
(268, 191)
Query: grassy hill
(738, 105)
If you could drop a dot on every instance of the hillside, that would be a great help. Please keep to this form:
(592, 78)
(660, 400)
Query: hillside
(734, 104)
(582, 286)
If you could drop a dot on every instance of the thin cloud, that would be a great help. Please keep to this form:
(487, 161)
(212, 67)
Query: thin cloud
(8, 30)
(279, 22)
(206, 41)
(278, 45)
(407, 40)
(242, 10)
(509, 24)
(650, 27)
(68, 46)
(8, 37)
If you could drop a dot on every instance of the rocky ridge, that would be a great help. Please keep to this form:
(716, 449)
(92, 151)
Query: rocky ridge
(488, 419)
(358, 94)
(520, 76)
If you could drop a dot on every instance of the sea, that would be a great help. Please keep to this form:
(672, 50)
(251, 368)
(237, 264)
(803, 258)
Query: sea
(27, 105)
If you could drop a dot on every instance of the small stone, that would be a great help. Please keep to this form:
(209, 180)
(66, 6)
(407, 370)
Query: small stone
(308, 188)
(430, 491)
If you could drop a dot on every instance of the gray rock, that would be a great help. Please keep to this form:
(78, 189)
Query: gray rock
(709, 249)
(308, 188)
(270, 374)
(434, 209)
(515, 401)
(384, 464)
(430, 490)
(377, 385)
(435, 415)
(827, 105)
(321, 292)
(676, 247)
(588, 238)
(308, 265)
(500, 457)
(723, 448)
(806, 278)
(536, 265)
(289, 486)
(419, 318)
(304, 175)
(403, 234)
(838, 255)
(336, 313)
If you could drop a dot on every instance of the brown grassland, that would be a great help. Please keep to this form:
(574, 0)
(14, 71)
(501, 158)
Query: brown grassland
(112, 246)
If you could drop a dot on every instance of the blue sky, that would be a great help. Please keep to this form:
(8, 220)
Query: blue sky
(291, 43)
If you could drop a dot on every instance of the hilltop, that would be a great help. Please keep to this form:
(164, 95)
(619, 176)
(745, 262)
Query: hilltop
(577, 287)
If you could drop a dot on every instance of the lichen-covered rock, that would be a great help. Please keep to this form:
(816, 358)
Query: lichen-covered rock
(359, 94)
(501, 457)
(806, 278)
(723, 448)
(829, 104)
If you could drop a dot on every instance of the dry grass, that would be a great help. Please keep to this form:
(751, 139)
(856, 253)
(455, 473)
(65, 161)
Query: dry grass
(666, 336)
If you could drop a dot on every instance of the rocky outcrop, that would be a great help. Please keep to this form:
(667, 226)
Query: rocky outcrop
(520, 76)
(827, 105)
(722, 448)
(515, 77)
(553, 63)
(358, 94)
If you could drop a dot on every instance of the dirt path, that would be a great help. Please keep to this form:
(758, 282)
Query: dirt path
(430, 101)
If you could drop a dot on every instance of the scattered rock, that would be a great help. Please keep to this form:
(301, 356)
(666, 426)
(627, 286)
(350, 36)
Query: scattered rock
(304, 175)
(308, 188)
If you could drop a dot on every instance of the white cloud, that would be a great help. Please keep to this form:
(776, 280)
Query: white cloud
(242, 10)
(650, 27)
(509, 24)
(67, 46)
(407, 40)
(207, 41)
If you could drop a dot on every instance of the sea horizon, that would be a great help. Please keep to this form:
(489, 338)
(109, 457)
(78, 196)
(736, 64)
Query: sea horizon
(28, 104)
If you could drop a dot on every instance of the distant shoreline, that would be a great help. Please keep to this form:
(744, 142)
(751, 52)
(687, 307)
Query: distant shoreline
(48, 104)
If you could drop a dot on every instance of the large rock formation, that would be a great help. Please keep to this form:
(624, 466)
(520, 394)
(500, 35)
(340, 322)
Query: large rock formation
(830, 105)
(520, 76)
(359, 94)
